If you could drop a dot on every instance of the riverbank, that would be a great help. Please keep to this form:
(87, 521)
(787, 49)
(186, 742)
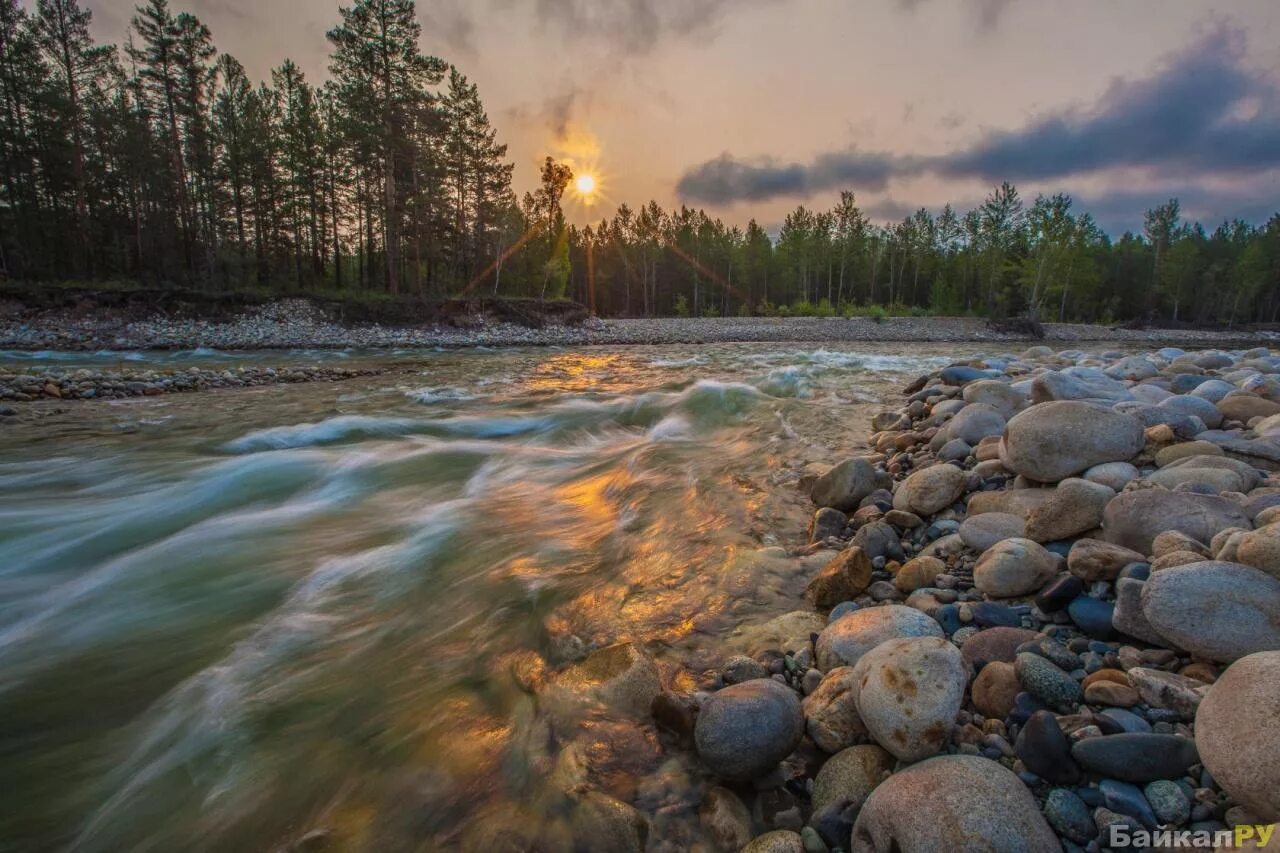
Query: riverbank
(1049, 619)
(289, 324)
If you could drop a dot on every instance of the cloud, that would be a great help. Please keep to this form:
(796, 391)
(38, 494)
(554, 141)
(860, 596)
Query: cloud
(726, 179)
(987, 13)
(448, 23)
(636, 26)
(1202, 112)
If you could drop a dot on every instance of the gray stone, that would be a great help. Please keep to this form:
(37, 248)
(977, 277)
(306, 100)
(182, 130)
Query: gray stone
(930, 490)
(831, 712)
(1217, 611)
(1134, 518)
(845, 485)
(1053, 441)
(849, 776)
(980, 532)
(743, 731)
(1014, 567)
(845, 641)
(1046, 682)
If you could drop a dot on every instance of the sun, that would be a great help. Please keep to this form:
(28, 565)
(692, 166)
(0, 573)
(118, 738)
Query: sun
(586, 185)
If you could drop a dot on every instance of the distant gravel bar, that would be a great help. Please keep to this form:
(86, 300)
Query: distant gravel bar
(290, 324)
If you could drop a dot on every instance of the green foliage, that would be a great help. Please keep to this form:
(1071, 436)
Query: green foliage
(681, 306)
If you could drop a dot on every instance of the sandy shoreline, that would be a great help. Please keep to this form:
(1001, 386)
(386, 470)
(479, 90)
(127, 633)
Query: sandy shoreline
(291, 324)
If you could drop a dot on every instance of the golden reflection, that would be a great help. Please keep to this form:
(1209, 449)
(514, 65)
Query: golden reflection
(577, 372)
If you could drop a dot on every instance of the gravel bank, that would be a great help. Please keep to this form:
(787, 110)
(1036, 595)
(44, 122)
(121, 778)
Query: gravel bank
(299, 324)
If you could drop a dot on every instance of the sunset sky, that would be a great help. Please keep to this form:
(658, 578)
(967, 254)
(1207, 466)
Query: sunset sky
(749, 107)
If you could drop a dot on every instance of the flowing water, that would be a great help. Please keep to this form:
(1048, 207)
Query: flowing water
(231, 619)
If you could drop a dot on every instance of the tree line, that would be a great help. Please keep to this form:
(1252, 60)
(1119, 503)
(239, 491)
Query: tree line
(1043, 259)
(161, 162)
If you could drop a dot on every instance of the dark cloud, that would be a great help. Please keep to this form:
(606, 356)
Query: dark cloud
(1121, 210)
(1203, 112)
(726, 179)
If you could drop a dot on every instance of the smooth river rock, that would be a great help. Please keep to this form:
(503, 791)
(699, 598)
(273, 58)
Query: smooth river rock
(845, 485)
(952, 803)
(1135, 518)
(1014, 567)
(909, 692)
(1215, 610)
(1052, 441)
(850, 776)
(846, 640)
(930, 490)
(831, 712)
(743, 731)
(1136, 757)
(1238, 736)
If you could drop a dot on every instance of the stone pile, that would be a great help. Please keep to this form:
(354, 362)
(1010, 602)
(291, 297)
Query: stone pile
(1052, 599)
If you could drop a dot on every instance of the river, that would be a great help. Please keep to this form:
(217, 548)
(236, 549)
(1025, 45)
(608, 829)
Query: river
(234, 618)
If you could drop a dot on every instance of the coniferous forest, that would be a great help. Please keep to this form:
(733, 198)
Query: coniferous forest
(159, 162)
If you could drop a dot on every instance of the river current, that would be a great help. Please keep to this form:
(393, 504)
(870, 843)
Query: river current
(236, 619)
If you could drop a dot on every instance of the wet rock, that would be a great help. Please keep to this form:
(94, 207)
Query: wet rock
(958, 803)
(1135, 518)
(724, 817)
(741, 668)
(849, 777)
(846, 576)
(1218, 611)
(845, 641)
(1246, 407)
(845, 485)
(831, 712)
(743, 731)
(930, 490)
(788, 631)
(826, 523)
(621, 677)
(909, 691)
(1108, 693)
(1237, 734)
(1014, 567)
(1136, 757)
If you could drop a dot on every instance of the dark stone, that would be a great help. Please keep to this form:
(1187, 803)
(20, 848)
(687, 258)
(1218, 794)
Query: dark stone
(948, 616)
(1129, 800)
(989, 614)
(1045, 750)
(675, 713)
(743, 731)
(1059, 593)
(1137, 571)
(1024, 705)
(1136, 757)
(1126, 720)
(961, 375)
(1069, 815)
(834, 824)
(827, 522)
(1093, 616)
